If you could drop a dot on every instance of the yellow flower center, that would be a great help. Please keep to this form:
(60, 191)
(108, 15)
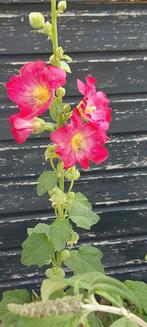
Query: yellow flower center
(77, 141)
(90, 109)
(41, 95)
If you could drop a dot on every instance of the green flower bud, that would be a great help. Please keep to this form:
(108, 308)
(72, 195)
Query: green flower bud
(74, 239)
(67, 108)
(50, 152)
(60, 92)
(71, 195)
(65, 254)
(48, 28)
(38, 125)
(36, 19)
(55, 273)
(72, 173)
(59, 52)
(52, 60)
(62, 6)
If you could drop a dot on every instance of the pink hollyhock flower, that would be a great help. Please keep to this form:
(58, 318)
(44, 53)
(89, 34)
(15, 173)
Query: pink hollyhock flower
(95, 104)
(34, 88)
(23, 126)
(79, 143)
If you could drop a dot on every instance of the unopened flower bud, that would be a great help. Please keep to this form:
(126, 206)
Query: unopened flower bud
(36, 19)
(48, 28)
(38, 125)
(50, 152)
(72, 173)
(59, 52)
(62, 6)
(74, 239)
(60, 92)
(65, 254)
(52, 60)
(55, 273)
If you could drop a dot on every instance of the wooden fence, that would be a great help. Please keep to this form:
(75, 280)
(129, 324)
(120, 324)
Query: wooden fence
(109, 40)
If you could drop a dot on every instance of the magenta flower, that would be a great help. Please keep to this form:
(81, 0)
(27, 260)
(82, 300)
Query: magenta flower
(34, 88)
(79, 142)
(95, 104)
(23, 126)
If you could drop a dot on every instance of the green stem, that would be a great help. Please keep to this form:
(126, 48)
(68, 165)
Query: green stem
(54, 31)
(61, 182)
(52, 164)
(71, 186)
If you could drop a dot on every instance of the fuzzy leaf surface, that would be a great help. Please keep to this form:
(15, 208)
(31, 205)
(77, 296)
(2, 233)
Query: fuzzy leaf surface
(60, 233)
(140, 291)
(46, 182)
(15, 296)
(81, 212)
(39, 228)
(124, 322)
(87, 258)
(37, 250)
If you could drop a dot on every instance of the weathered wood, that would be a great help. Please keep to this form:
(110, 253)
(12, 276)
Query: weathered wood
(125, 151)
(110, 42)
(116, 74)
(118, 253)
(116, 222)
(102, 189)
(88, 28)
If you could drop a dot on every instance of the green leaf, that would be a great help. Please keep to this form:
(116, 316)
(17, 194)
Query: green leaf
(46, 182)
(140, 291)
(39, 228)
(49, 287)
(37, 250)
(94, 321)
(60, 321)
(112, 298)
(80, 212)
(15, 296)
(124, 322)
(65, 66)
(60, 233)
(87, 258)
(55, 109)
(96, 282)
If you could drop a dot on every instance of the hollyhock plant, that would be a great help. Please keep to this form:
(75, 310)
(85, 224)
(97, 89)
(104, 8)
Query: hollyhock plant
(89, 297)
(95, 105)
(79, 142)
(34, 88)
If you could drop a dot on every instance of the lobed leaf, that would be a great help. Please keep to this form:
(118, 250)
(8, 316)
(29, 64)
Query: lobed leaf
(46, 182)
(37, 250)
(87, 258)
(80, 212)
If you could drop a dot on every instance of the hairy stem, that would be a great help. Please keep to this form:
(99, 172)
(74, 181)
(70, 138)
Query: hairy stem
(94, 307)
(54, 31)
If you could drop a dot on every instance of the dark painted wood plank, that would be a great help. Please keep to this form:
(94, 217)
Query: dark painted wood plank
(116, 74)
(102, 189)
(125, 151)
(115, 222)
(129, 114)
(88, 28)
(117, 253)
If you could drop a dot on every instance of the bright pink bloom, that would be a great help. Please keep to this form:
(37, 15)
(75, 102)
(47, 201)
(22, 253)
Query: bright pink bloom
(34, 88)
(95, 104)
(79, 143)
(22, 127)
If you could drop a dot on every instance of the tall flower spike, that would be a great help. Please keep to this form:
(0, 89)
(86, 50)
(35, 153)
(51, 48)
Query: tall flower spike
(95, 105)
(79, 143)
(34, 88)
